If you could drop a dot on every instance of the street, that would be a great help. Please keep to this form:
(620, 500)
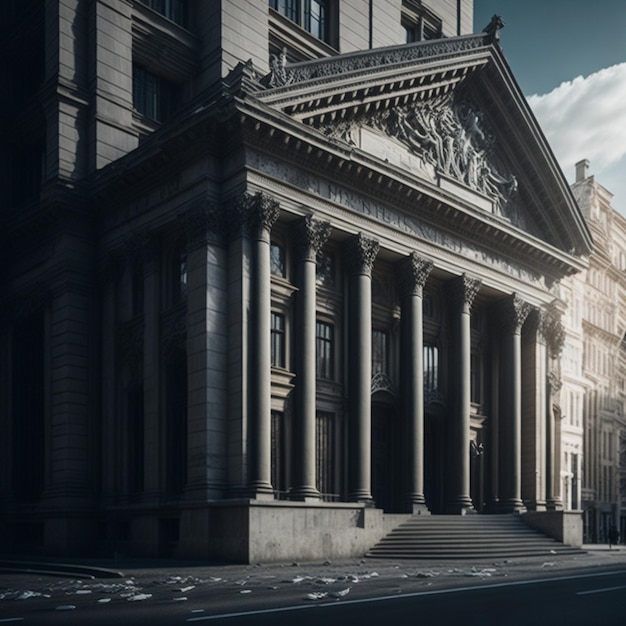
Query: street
(400, 594)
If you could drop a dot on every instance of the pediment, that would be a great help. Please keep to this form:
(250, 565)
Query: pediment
(448, 113)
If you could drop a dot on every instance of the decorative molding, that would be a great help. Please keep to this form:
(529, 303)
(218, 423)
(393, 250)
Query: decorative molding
(461, 292)
(382, 382)
(554, 332)
(310, 236)
(360, 254)
(253, 214)
(201, 223)
(413, 272)
(283, 74)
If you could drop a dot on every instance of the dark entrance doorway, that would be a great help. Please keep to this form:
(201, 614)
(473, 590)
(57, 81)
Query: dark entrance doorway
(386, 478)
(434, 465)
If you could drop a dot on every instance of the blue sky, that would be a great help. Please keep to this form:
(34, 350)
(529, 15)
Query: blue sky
(569, 58)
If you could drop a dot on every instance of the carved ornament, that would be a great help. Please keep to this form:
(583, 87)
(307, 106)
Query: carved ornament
(360, 254)
(462, 290)
(413, 272)
(310, 236)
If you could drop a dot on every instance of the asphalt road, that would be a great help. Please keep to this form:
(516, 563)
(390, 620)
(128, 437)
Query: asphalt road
(578, 591)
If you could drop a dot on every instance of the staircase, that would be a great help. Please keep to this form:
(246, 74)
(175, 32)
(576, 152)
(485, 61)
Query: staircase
(466, 537)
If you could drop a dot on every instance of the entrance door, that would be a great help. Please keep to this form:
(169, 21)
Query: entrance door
(386, 479)
(434, 462)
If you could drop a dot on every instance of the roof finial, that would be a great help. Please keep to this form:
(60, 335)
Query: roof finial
(493, 29)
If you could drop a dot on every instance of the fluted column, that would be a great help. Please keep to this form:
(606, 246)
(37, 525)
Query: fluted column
(413, 273)
(555, 338)
(310, 236)
(360, 254)
(514, 312)
(259, 213)
(463, 290)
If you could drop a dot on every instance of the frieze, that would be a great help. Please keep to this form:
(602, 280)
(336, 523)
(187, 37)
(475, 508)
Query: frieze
(401, 221)
(284, 74)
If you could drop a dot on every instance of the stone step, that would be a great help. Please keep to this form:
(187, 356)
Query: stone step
(466, 537)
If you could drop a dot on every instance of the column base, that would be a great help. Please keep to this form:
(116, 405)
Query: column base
(512, 505)
(363, 498)
(460, 506)
(554, 504)
(415, 505)
(305, 494)
(260, 491)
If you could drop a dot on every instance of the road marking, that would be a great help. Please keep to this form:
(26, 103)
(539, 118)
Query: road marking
(416, 594)
(586, 593)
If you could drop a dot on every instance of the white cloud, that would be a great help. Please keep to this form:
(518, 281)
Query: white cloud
(586, 119)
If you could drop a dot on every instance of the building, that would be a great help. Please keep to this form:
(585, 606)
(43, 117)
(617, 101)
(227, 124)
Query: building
(278, 275)
(594, 368)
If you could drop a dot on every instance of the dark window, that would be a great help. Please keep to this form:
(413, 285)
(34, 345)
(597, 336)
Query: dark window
(138, 290)
(475, 379)
(574, 470)
(324, 351)
(277, 260)
(312, 15)
(177, 275)
(431, 369)
(325, 270)
(279, 454)
(418, 23)
(27, 405)
(278, 339)
(325, 455)
(176, 422)
(153, 96)
(26, 171)
(135, 417)
(380, 354)
(172, 9)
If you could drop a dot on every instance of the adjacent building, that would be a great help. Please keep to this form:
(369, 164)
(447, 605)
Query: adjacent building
(276, 276)
(594, 361)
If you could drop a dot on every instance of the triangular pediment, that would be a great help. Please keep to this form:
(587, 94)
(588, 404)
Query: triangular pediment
(449, 113)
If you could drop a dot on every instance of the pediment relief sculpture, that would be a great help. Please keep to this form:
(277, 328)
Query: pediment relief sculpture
(450, 139)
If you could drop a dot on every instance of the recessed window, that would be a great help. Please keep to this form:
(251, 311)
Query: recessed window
(418, 23)
(312, 15)
(172, 9)
(325, 270)
(380, 360)
(153, 96)
(277, 259)
(324, 350)
(278, 339)
(431, 368)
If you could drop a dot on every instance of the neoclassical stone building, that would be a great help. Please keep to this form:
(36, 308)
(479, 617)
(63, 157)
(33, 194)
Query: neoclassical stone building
(276, 278)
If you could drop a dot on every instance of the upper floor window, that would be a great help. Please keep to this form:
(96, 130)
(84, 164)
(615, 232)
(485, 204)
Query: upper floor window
(324, 350)
(153, 96)
(277, 259)
(431, 368)
(380, 351)
(325, 270)
(177, 276)
(172, 9)
(418, 23)
(312, 15)
(278, 339)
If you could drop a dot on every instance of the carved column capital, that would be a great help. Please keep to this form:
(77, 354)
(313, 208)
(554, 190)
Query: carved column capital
(514, 312)
(360, 254)
(413, 273)
(462, 291)
(253, 214)
(554, 332)
(310, 236)
(203, 221)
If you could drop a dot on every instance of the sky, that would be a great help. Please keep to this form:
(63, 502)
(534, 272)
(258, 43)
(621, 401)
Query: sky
(569, 59)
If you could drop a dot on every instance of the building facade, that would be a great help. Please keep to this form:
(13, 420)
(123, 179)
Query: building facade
(595, 353)
(278, 275)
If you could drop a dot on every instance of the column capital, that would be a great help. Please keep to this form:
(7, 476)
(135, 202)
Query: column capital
(413, 272)
(202, 222)
(462, 291)
(514, 312)
(253, 214)
(553, 331)
(310, 236)
(360, 254)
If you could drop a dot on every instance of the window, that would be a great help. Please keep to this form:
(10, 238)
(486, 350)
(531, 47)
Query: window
(135, 450)
(324, 351)
(431, 369)
(312, 15)
(153, 96)
(419, 24)
(277, 260)
(325, 270)
(380, 359)
(278, 339)
(475, 378)
(176, 422)
(172, 9)
(278, 471)
(325, 455)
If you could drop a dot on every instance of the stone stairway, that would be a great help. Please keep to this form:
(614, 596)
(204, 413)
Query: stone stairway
(466, 537)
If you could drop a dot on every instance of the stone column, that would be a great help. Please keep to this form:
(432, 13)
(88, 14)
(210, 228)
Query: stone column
(413, 273)
(534, 403)
(310, 236)
(555, 338)
(514, 311)
(463, 290)
(259, 213)
(360, 253)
